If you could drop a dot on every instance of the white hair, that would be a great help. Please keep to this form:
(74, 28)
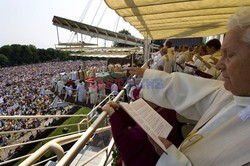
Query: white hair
(241, 20)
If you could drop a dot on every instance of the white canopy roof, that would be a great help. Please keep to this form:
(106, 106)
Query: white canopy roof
(158, 19)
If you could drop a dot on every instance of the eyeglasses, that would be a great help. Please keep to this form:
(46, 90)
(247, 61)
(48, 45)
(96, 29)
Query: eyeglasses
(191, 139)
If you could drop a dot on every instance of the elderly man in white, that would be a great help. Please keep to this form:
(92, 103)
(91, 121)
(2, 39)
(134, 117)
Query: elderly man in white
(222, 134)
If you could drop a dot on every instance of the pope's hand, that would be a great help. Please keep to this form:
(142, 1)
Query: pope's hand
(110, 107)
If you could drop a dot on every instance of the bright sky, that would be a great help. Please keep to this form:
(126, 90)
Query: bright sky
(30, 21)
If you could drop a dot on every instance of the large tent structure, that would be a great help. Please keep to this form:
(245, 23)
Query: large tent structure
(96, 32)
(177, 18)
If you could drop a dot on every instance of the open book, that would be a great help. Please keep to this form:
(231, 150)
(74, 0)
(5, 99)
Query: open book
(149, 120)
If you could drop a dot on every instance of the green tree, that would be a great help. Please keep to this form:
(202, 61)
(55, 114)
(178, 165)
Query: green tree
(125, 32)
(35, 57)
(7, 51)
(16, 55)
(27, 54)
(51, 53)
(42, 55)
(4, 61)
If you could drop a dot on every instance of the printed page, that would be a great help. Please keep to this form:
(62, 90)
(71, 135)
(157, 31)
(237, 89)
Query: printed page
(149, 120)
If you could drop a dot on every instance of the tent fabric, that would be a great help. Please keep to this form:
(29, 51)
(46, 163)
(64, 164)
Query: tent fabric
(158, 19)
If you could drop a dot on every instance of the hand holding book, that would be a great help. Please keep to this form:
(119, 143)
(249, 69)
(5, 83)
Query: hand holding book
(149, 120)
(110, 107)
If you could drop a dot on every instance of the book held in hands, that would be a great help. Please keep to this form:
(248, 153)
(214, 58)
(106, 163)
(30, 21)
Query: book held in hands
(149, 120)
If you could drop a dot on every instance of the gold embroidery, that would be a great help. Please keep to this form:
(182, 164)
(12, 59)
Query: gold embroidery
(191, 139)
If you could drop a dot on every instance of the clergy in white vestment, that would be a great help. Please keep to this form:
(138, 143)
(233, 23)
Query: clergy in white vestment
(171, 56)
(60, 87)
(165, 61)
(156, 60)
(183, 55)
(73, 75)
(203, 63)
(93, 93)
(197, 58)
(213, 49)
(81, 92)
(222, 108)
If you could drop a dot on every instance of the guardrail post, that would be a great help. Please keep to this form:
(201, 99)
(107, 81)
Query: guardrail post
(79, 127)
(87, 121)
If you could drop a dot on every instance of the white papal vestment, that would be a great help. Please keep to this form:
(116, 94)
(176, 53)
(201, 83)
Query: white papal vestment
(225, 136)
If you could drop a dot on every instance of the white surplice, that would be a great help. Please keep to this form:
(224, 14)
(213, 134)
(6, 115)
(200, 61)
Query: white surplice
(226, 137)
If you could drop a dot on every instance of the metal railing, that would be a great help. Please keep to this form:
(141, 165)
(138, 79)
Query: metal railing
(105, 160)
(55, 146)
(75, 149)
(87, 120)
(64, 160)
(107, 150)
(40, 116)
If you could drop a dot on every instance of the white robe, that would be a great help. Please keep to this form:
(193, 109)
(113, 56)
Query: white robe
(81, 93)
(182, 57)
(60, 86)
(166, 63)
(93, 94)
(156, 61)
(226, 137)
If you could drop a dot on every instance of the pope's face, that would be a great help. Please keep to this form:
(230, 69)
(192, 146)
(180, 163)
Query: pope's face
(235, 63)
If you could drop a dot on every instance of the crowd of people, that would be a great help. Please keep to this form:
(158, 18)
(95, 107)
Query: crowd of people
(83, 84)
(26, 90)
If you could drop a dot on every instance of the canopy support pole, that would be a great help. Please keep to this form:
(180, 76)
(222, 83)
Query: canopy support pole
(57, 34)
(146, 50)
